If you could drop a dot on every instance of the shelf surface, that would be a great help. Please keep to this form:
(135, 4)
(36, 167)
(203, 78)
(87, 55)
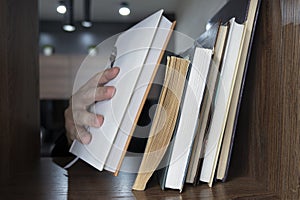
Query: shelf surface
(49, 181)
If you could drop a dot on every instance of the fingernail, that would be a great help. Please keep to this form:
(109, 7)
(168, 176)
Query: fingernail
(100, 120)
(113, 91)
(97, 123)
(115, 71)
(110, 91)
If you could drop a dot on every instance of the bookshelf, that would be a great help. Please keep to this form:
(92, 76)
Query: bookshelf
(265, 162)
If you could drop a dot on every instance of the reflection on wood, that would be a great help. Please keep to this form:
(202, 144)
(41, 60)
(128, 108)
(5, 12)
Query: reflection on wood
(49, 181)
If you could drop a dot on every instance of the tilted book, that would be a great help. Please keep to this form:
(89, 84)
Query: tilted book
(164, 121)
(138, 53)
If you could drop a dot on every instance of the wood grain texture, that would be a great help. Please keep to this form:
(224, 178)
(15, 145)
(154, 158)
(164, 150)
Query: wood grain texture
(19, 105)
(268, 146)
(49, 181)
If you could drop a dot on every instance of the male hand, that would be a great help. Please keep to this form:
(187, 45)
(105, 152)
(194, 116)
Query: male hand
(77, 116)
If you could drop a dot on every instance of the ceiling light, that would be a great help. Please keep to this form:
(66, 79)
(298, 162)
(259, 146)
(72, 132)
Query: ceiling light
(124, 9)
(87, 19)
(61, 8)
(68, 18)
(69, 27)
(86, 24)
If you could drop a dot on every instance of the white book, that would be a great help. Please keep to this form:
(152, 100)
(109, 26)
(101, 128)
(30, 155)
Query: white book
(184, 135)
(132, 47)
(127, 126)
(222, 101)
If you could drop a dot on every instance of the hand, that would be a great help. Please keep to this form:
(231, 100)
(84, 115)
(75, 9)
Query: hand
(77, 116)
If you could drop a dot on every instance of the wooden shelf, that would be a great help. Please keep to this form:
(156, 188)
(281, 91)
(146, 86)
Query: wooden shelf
(49, 181)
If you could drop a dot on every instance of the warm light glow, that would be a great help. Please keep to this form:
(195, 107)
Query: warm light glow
(86, 24)
(69, 27)
(61, 9)
(124, 10)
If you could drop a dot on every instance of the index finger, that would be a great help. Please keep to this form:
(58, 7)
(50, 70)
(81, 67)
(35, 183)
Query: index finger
(108, 75)
(101, 78)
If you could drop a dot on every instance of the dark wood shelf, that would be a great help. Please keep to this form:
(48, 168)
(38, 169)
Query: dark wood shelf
(47, 180)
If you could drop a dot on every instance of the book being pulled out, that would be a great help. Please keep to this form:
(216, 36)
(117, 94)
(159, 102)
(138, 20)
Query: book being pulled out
(138, 54)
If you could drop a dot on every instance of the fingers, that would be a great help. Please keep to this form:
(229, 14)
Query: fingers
(100, 78)
(79, 133)
(76, 115)
(84, 99)
(94, 90)
(108, 75)
(85, 118)
(104, 93)
(83, 135)
(75, 124)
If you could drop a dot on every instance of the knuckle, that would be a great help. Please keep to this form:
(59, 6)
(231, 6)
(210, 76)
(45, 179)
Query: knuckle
(77, 133)
(76, 116)
(88, 119)
(104, 93)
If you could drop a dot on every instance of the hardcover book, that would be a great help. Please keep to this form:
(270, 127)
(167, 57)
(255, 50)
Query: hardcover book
(138, 54)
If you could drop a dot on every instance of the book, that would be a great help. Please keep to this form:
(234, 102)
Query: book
(134, 55)
(222, 100)
(223, 163)
(127, 127)
(184, 136)
(164, 120)
(203, 118)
